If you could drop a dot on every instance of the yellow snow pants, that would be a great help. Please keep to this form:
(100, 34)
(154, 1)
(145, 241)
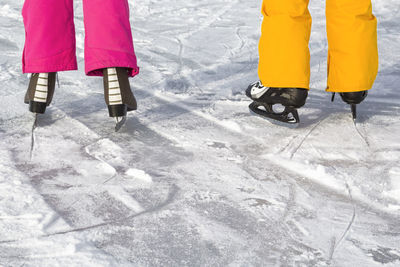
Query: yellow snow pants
(352, 44)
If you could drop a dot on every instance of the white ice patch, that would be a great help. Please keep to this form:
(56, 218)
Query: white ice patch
(139, 174)
(394, 192)
(6, 11)
(231, 125)
(107, 151)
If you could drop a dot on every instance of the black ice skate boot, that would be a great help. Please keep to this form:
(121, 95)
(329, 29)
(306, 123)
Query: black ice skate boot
(118, 95)
(267, 97)
(40, 91)
(353, 99)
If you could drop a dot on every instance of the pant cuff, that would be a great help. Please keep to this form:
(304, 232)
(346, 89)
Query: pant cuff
(98, 59)
(61, 62)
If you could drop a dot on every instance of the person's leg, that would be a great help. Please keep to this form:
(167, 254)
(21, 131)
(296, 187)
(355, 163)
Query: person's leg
(108, 40)
(283, 48)
(284, 64)
(353, 52)
(49, 36)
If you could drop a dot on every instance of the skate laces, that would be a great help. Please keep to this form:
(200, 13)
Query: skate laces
(114, 90)
(41, 90)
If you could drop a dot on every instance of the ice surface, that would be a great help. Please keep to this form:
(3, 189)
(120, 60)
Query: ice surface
(193, 179)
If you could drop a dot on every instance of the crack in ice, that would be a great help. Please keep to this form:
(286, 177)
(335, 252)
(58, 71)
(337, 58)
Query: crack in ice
(171, 196)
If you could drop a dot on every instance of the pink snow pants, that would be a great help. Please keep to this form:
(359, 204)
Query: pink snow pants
(50, 36)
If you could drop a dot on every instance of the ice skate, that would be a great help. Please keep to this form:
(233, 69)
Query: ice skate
(353, 99)
(118, 95)
(40, 91)
(267, 97)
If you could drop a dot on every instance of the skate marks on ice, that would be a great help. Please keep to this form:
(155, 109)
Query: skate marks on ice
(113, 223)
(25, 216)
(229, 214)
(82, 176)
(186, 212)
(204, 128)
(335, 243)
(292, 148)
(365, 158)
(153, 232)
(182, 62)
(318, 176)
(357, 172)
(353, 223)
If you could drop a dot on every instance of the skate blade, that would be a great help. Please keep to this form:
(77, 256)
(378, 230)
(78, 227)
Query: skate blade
(35, 118)
(120, 121)
(282, 117)
(354, 111)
